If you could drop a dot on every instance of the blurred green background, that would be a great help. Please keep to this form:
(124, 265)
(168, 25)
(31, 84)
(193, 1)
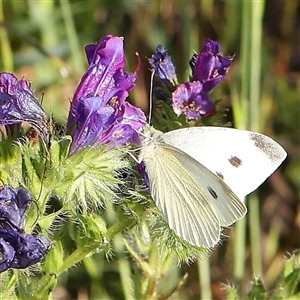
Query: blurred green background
(43, 41)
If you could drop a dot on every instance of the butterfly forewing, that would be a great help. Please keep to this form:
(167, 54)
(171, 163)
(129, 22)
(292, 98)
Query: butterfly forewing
(243, 159)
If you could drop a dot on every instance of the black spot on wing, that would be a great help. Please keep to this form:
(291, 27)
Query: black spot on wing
(212, 192)
(235, 161)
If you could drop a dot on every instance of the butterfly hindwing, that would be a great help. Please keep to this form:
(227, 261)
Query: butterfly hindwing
(191, 217)
(227, 206)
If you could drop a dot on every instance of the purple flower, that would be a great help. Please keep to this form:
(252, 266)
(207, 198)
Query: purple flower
(141, 169)
(209, 66)
(13, 204)
(163, 66)
(190, 100)
(126, 126)
(18, 104)
(20, 250)
(99, 113)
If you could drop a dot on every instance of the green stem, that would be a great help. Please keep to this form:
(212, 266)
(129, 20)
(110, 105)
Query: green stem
(247, 115)
(257, 9)
(124, 269)
(153, 276)
(241, 118)
(7, 62)
(72, 36)
(254, 220)
(239, 251)
(255, 64)
(120, 226)
(204, 279)
(78, 255)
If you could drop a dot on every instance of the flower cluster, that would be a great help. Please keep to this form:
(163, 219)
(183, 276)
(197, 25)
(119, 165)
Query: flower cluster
(18, 104)
(99, 111)
(209, 68)
(18, 249)
(99, 114)
(191, 98)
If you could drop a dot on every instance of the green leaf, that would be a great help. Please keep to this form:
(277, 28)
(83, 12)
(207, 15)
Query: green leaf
(89, 231)
(60, 150)
(10, 162)
(36, 287)
(46, 221)
(90, 177)
(292, 280)
(35, 162)
(89, 234)
(7, 285)
(291, 273)
(232, 294)
(54, 258)
(45, 285)
(257, 290)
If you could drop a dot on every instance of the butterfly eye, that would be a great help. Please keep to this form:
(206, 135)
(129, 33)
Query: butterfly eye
(235, 161)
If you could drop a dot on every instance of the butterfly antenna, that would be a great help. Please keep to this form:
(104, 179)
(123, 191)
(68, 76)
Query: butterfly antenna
(151, 96)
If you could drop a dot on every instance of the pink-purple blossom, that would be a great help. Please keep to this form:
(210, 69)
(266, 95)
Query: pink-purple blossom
(190, 99)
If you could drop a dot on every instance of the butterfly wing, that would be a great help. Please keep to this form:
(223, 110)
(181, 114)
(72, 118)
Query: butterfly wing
(243, 159)
(195, 202)
(226, 204)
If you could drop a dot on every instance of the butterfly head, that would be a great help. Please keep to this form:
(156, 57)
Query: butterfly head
(148, 134)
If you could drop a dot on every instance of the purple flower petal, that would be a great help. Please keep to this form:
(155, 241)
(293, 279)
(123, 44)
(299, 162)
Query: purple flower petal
(18, 104)
(209, 66)
(92, 121)
(8, 254)
(99, 111)
(131, 115)
(13, 204)
(129, 121)
(163, 66)
(105, 59)
(120, 134)
(20, 250)
(141, 169)
(190, 100)
(9, 84)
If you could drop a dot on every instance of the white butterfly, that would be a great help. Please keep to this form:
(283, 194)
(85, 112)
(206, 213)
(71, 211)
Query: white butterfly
(199, 175)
